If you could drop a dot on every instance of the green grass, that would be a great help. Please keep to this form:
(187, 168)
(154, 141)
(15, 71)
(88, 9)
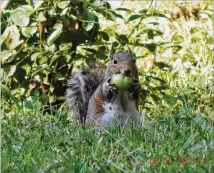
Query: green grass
(32, 142)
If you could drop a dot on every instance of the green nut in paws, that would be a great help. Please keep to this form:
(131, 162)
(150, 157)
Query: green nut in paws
(121, 81)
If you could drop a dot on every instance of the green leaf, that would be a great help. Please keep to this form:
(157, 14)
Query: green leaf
(54, 58)
(118, 15)
(7, 56)
(109, 14)
(143, 11)
(115, 44)
(160, 88)
(30, 2)
(35, 55)
(41, 17)
(4, 5)
(11, 34)
(54, 36)
(8, 31)
(150, 46)
(155, 97)
(178, 38)
(89, 19)
(177, 46)
(27, 8)
(63, 13)
(59, 77)
(31, 103)
(122, 39)
(40, 68)
(161, 65)
(170, 100)
(29, 31)
(210, 41)
(200, 35)
(158, 79)
(75, 2)
(20, 17)
(27, 68)
(187, 91)
(122, 9)
(104, 35)
(134, 17)
(158, 14)
(7, 91)
(38, 4)
(9, 70)
(63, 4)
(6, 13)
(12, 70)
(43, 60)
(71, 16)
(153, 23)
(85, 5)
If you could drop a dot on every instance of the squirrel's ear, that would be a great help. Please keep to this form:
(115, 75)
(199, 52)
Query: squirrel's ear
(112, 52)
(129, 50)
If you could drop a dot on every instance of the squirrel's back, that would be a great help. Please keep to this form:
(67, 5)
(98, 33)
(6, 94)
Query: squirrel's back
(81, 86)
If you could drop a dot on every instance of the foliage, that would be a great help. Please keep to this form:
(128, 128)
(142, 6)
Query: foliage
(44, 41)
(39, 44)
(41, 39)
(174, 54)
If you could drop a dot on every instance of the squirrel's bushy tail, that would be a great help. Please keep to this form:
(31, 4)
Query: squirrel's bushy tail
(80, 89)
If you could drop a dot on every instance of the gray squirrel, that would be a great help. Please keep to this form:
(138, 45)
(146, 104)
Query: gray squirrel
(94, 100)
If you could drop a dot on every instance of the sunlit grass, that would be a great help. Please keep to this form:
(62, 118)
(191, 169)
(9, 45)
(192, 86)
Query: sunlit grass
(47, 143)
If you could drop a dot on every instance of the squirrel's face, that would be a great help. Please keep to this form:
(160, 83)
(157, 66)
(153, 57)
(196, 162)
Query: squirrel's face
(124, 63)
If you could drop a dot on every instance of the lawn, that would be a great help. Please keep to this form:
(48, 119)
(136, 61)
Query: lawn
(182, 142)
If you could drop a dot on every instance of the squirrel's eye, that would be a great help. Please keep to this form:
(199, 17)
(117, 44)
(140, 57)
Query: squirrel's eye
(115, 61)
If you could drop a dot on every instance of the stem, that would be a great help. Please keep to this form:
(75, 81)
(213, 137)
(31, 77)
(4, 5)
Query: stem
(141, 18)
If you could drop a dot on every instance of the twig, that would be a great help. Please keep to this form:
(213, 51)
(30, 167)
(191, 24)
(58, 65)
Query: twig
(141, 18)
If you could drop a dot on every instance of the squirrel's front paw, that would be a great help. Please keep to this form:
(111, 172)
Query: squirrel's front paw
(110, 83)
(112, 86)
(111, 90)
(134, 86)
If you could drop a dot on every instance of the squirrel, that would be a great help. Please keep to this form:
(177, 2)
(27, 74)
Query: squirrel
(94, 100)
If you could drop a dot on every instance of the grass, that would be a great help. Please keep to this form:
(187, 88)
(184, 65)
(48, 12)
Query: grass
(32, 142)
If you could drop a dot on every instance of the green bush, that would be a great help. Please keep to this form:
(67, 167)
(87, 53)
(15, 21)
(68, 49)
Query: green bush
(42, 42)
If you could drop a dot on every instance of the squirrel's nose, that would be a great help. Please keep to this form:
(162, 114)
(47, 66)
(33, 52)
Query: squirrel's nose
(127, 72)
